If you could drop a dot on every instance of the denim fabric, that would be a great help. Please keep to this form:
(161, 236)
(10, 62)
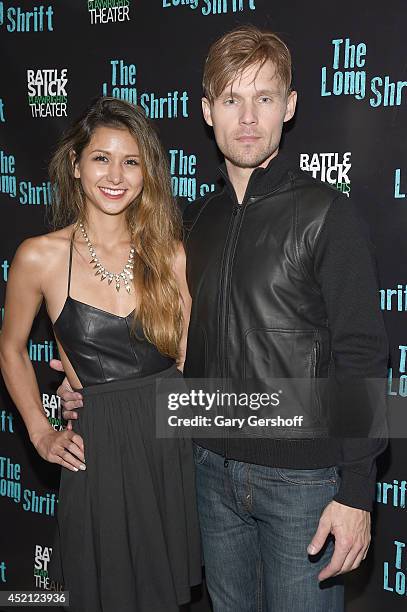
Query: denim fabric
(256, 523)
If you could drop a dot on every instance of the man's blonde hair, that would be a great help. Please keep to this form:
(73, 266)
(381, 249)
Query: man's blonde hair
(242, 48)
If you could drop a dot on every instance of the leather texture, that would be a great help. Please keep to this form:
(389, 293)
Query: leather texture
(101, 346)
(257, 309)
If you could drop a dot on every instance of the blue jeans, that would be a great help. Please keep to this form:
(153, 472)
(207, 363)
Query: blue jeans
(256, 523)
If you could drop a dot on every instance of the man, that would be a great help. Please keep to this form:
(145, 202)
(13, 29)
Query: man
(283, 285)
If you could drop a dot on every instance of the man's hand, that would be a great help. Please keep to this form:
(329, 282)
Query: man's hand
(351, 528)
(70, 399)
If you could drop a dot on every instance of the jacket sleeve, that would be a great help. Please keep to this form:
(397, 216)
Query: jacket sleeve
(345, 269)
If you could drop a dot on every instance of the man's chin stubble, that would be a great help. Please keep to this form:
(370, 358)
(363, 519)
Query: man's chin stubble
(247, 160)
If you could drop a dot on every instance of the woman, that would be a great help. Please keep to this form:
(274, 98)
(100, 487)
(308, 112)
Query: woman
(113, 280)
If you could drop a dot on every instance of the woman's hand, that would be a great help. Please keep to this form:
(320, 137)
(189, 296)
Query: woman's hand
(63, 447)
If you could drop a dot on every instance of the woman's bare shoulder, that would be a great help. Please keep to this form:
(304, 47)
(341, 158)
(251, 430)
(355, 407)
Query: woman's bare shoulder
(38, 251)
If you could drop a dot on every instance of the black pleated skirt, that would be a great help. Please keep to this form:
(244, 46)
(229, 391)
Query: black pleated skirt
(127, 528)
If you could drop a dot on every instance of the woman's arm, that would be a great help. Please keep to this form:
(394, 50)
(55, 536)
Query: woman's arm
(23, 299)
(186, 301)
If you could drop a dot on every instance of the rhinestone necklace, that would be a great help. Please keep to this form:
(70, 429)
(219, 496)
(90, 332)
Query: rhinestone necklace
(124, 276)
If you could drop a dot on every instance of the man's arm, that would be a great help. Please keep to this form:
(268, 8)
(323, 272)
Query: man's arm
(346, 272)
(70, 399)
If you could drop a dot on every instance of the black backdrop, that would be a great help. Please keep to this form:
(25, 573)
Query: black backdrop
(349, 129)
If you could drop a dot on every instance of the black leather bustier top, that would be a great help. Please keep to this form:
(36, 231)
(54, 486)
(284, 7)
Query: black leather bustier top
(100, 345)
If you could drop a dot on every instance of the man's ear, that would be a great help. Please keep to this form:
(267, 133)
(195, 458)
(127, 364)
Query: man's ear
(75, 167)
(291, 104)
(206, 111)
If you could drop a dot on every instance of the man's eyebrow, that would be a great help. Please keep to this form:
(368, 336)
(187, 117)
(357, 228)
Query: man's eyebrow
(269, 92)
(259, 92)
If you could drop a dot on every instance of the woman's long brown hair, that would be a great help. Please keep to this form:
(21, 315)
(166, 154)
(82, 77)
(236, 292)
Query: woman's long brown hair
(153, 218)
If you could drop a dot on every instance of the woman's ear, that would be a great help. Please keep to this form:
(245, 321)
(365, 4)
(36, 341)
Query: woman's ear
(74, 162)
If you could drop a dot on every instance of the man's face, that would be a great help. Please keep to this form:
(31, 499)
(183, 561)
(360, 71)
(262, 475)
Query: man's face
(247, 118)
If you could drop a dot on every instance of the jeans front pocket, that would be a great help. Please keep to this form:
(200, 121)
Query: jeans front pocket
(200, 453)
(318, 476)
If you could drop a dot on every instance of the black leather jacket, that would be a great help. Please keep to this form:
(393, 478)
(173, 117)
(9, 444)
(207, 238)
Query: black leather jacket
(257, 307)
(256, 303)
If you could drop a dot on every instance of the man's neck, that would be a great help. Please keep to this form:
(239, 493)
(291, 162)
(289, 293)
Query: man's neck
(239, 177)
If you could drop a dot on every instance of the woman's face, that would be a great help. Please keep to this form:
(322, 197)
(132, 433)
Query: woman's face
(109, 170)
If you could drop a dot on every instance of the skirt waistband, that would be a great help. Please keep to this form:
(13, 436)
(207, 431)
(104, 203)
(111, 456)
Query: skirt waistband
(128, 383)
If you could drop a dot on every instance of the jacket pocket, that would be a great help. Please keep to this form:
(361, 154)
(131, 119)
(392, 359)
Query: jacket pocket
(316, 392)
(280, 353)
(316, 354)
(286, 354)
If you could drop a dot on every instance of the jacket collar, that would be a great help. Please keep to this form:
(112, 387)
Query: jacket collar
(264, 180)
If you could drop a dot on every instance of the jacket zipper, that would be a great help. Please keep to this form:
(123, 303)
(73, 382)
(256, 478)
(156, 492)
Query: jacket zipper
(224, 289)
(225, 277)
(224, 294)
(316, 351)
(316, 348)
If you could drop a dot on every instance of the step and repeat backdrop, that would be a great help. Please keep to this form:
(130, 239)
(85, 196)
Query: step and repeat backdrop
(349, 130)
